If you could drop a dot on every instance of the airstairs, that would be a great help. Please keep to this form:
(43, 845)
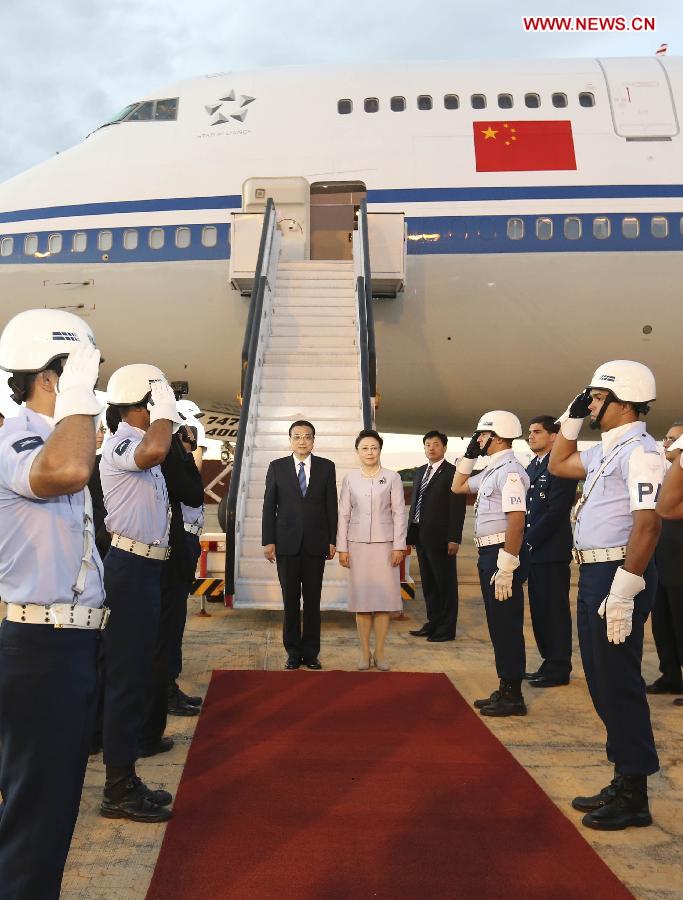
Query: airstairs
(310, 355)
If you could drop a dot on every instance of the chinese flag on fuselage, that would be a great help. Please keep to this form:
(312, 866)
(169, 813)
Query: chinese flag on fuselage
(523, 146)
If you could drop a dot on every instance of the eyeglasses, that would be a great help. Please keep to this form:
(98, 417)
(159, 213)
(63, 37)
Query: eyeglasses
(302, 437)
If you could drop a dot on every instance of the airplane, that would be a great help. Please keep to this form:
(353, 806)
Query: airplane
(543, 205)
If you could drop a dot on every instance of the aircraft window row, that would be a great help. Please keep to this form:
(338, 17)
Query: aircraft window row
(477, 101)
(156, 238)
(148, 111)
(572, 228)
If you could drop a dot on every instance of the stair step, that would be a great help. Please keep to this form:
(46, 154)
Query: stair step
(333, 371)
(291, 329)
(345, 303)
(307, 320)
(323, 342)
(323, 358)
(305, 402)
(321, 311)
(314, 265)
(289, 412)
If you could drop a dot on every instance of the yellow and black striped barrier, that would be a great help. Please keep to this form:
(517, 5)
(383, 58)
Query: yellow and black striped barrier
(210, 588)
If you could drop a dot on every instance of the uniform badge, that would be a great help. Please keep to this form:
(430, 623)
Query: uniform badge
(27, 443)
(121, 448)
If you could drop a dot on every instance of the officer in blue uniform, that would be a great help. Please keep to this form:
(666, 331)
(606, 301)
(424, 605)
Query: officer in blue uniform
(548, 553)
(615, 532)
(500, 510)
(51, 578)
(142, 415)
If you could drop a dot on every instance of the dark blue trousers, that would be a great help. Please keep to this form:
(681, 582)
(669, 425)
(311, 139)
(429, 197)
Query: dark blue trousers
(551, 617)
(505, 618)
(47, 709)
(182, 590)
(613, 673)
(133, 586)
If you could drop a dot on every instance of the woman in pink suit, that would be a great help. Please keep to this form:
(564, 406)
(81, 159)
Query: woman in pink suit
(371, 540)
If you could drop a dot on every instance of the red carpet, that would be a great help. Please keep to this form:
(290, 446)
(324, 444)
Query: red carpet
(309, 786)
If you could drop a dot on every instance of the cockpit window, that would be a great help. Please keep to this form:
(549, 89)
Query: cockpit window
(165, 110)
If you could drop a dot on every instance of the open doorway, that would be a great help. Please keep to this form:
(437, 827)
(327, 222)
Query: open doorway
(334, 217)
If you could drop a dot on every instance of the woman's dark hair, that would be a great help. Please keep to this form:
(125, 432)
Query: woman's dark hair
(113, 418)
(368, 433)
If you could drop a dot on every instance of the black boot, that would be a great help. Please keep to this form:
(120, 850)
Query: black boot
(510, 701)
(629, 807)
(597, 801)
(129, 798)
(487, 701)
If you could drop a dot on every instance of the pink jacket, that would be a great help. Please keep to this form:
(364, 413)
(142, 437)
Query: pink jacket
(372, 510)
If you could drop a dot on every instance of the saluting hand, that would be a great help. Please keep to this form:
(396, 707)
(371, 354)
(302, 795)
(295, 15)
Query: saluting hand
(76, 385)
(473, 450)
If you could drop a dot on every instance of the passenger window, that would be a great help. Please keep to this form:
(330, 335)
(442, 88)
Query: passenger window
(30, 244)
(515, 229)
(143, 113)
(601, 228)
(630, 227)
(182, 237)
(79, 242)
(344, 107)
(209, 236)
(544, 228)
(505, 101)
(586, 99)
(559, 101)
(397, 104)
(451, 101)
(130, 239)
(156, 238)
(371, 104)
(166, 110)
(478, 101)
(659, 226)
(54, 243)
(572, 228)
(104, 241)
(532, 101)
(7, 246)
(424, 101)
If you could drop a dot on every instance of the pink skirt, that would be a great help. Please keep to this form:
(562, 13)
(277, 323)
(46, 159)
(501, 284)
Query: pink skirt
(375, 583)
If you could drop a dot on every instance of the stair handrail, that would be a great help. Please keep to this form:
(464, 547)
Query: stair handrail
(252, 335)
(366, 319)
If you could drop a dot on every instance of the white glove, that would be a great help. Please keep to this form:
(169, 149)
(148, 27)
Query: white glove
(76, 385)
(678, 445)
(465, 465)
(162, 404)
(502, 577)
(617, 607)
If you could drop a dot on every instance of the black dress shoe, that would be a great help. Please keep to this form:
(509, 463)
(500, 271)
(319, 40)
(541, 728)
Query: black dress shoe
(629, 807)
(163, 745)
(312, 664)
(487, 701)
(529, 676)
(663, 687)
(293, 662)
(133, 800)
(509, 702)
(421, 632)
(437, 639)
(158, 797)
(543, 682)
(173, 688)
(178, 707)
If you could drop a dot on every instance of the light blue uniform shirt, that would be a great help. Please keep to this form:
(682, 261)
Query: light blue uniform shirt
(136, 499)
(630, 481)
(193, 515)
(500, 488)
(41, 540)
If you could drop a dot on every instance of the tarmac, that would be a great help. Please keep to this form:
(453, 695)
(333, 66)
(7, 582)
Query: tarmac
(560, 742)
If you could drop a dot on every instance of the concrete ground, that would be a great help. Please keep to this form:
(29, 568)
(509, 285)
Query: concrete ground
(560, 742)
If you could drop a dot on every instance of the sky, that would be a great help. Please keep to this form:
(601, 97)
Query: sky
(67, 67)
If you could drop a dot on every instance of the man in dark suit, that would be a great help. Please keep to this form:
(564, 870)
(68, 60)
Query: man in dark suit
(548, 550)
(435, 530)
(299, 533)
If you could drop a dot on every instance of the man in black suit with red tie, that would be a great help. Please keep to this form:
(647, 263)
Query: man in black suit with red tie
(435, 530)
(299, 532)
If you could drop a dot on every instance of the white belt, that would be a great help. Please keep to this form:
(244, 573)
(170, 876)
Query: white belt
(59, 615)
(150, 551)
(609, 554)
(193, 529)
(490, 539)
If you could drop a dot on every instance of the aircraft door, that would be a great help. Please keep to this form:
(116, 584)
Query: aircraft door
(640, 98)
(334, 217)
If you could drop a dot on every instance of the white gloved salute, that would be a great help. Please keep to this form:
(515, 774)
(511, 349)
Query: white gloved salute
(162, 404)
(466, 463)
(502, 577)
(617, 607)
(572, 418)
(76, 385)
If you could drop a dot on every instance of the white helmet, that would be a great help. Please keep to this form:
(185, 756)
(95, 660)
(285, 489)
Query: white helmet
(130, 385)
(630, 382)
(503, 424)
(33, 339)
(187, 407)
